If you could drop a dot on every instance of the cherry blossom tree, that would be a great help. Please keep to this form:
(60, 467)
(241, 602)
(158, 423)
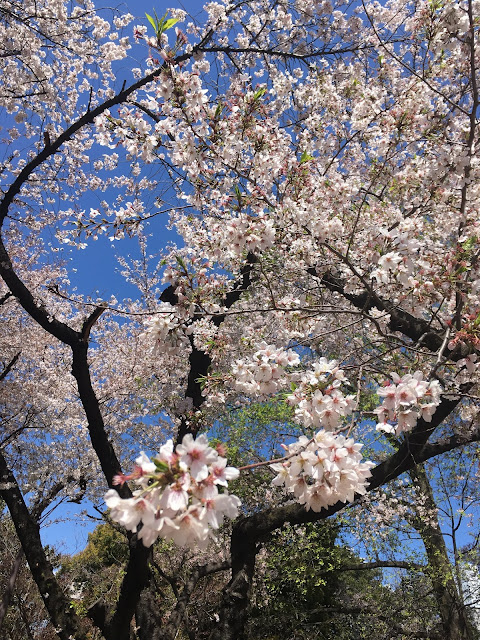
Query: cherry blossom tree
(319, 163)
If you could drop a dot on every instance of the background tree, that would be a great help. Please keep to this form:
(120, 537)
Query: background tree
(322, 177)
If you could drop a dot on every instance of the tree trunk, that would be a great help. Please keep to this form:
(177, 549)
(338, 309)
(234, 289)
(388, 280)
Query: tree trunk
(57, 604)
(236, 596)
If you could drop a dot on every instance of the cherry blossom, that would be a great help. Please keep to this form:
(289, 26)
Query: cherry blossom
(409, 398)
(266, 372)
(179, 497)
(320, 165)
(323, 470)
(318, 398)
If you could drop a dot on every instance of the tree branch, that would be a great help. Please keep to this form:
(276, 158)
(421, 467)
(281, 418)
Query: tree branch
(380, 564)
(36, 511)
(91, 320)
(200, 361)
(248, 531)
(9, 366)
(9, 587)
(414, 328)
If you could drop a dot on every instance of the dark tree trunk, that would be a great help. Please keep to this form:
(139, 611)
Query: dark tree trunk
(236, 596)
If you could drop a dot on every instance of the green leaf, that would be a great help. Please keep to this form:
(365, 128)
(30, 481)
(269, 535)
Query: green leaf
(305, 157)
(160, 465)
(470, 243)
(169, 24)
(259, 93)
(152, 21)
(181, 262)
(238, 193)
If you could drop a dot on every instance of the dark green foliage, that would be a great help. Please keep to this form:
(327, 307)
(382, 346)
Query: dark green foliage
(300, 593)
(96, 572)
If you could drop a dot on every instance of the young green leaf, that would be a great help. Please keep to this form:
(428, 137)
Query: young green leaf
(152, 21)
(305, 157)
(181, 262)
(169, 24)
(259, 93)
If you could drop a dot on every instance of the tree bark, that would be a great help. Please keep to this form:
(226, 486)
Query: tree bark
(236, 596)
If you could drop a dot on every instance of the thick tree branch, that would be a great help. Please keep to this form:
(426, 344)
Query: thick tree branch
(444, 445)
(96, 426)
(136, 576)
(91, 320)
(239, 286)
(136, 579)
(35, 309)
(36, 511)
(236, 596)
(5, 297)
(417, 329)
(200, 361)
(9, 366)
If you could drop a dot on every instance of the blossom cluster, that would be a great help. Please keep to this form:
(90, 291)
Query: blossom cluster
(409, 397)
(263, 374)
(318, 398)
(179, 497)
(246, 233)
(324, 470)
(165, 331)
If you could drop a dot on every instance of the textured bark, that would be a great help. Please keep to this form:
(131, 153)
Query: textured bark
(35, 512)
(137, 570)
(9, 366)
(455, 621)
(96, 426)
(236, 596)
(136, 579)
(147, 616)
(417, 329)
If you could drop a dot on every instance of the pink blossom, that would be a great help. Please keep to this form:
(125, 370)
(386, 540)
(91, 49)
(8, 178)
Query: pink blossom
(196, 455)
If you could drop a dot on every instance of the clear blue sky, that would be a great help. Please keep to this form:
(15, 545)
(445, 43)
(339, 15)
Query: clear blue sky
(95, 269)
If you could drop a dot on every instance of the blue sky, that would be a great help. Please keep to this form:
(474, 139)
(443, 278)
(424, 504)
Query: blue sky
(95, 270)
